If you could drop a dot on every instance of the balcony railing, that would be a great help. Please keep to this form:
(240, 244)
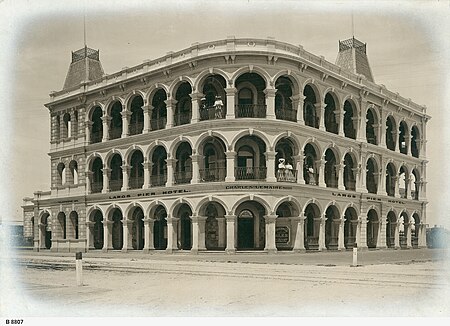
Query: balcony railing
(96, 137)
(250, 173)
(115, 133)
(158, 180)
(183, 177)
(115, 185)
(286, 175)
(182, 119)
(212, 175)
(250, 111)
(350, 185)
(96, 186)
(158, 124)
(136, 128)
(212, 113)
(286, 114)
(136, 182)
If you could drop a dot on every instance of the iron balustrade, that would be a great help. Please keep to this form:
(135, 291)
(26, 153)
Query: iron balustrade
(183, 177)
(350, 242)
(158, 180)
(182, 119)
(115, 185)
(212, 113)
(250, 111)
(96, 186)
(312, 243)
(157, 124)
(250, 173)
(286, 114)
(136, 182)
(213, 175)
(286, 175)
(136, 128)
(350, 185)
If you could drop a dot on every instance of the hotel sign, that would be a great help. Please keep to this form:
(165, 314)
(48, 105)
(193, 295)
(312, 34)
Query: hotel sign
(281, 234)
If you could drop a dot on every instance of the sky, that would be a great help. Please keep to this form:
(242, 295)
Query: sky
(408, 45)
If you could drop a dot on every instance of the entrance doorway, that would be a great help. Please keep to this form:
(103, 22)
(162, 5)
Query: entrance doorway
(246, 225)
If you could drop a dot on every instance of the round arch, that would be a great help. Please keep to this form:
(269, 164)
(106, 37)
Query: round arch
(201, 77)
(110, 154)
(250, 69)
(177, 82)
(248, 132)
(252, 197)
(130, 151)
(208, 134)
(201, 205)
(177, 142)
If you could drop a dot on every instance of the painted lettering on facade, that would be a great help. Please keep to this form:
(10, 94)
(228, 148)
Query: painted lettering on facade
(337, 194)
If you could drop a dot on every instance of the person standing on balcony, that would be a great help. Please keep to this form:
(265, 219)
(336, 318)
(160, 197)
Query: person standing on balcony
(281, 170)
(289, 175)
(218, 105)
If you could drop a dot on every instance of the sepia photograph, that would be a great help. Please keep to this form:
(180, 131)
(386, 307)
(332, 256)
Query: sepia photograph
(212, 159)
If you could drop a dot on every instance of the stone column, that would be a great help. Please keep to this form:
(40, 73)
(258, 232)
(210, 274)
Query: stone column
(198, 234)
(172, 234)
(361, 235)
(170, 103)
(299, 167)
(408, 235)
(89, 175)
(358, 173)
(396, 187)
(195, 107)
(408, 187)
(395, 136)
(381, 238)
(397, 236)
(382, 128)
(107, 236)
(42, 235)
(270, 164)
(73, 125)
(270, 246)
(125, 123)
(147, 110)
(422, 239)
(361, 136)
(231, 229)
(195, 168)
(105, 119)
(231, 157)
(298, 224)
(127, 226)
(170, 163)
(320, 109)
(341, 121)
(148, 234)
(300, 103)
(125, 173)
(408, 143)
(321, 164)
(106, 177)
(363, 178)
(341, 240)
(270, 102)
(231, 94)
(88, 131)
(321, 222)
(89, 236)
(221, 224)
(340, 173)
(147, 171)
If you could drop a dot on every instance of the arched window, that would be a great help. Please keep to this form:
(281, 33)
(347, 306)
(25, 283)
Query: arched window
(349, 116)
(183, 170)
(137, 116)
(159, 167)
(415, 141)
(97, 125)
(309, 108)
(159, 112)
(116, 178)
(61, 177)
(183, 110)
(331, 124)
(137, 170)
(371, 127)
(115, 126)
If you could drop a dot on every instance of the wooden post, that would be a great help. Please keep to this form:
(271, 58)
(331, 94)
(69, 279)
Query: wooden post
(355, 256)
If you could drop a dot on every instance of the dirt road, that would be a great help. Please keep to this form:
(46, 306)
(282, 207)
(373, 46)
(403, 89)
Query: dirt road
(133, 285)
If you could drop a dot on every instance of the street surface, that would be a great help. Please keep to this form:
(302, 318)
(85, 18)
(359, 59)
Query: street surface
(387, 283)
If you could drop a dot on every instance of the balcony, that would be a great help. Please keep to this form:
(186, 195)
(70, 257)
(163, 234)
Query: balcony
(136, 182)
(96, 186)
(250, 173)
(136, 128)
(212, 113)
(182, 119)
(250, 111)
(182, 177)
(115, 185)
(286, 175)
(96, 137)
(157, 124)
(115, 133)
(212, 175)
(158, 180)
(286, 114)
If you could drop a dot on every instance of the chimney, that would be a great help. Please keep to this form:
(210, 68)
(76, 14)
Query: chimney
(352, 56)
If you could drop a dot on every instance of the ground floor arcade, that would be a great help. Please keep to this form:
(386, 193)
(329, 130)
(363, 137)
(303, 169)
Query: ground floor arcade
(231, 223)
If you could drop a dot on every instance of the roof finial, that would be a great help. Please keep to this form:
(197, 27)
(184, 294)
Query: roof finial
(353, 26)
(84, 25)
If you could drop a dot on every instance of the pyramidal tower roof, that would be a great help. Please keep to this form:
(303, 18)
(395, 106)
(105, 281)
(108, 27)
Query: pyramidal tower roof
(85, 66)
(352, 56)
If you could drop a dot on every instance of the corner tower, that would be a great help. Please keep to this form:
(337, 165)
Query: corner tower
(85, 66)
(352, 56)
